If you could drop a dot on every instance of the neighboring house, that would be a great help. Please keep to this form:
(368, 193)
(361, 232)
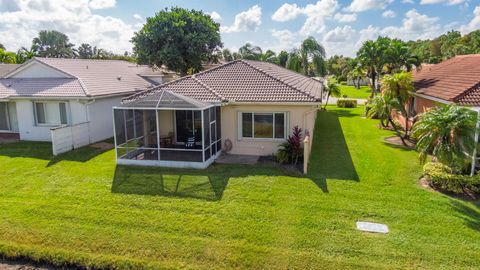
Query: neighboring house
(456, 80)
(46, 94)
(241, 107)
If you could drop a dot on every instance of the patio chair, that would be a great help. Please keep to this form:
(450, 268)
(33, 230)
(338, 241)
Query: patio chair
(190, 142)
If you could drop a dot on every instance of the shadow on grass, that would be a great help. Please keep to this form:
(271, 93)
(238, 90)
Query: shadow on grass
(469, 212)
(330, 155)
(208, 184)
(43, 150)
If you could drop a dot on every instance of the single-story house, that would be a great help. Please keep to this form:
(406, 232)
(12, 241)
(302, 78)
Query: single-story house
(456, 80)
(242, 107)
(45, 95)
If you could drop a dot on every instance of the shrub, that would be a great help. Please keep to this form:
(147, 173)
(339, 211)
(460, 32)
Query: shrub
(441, 177)
(347, 103)
(343, 83)
(291, 150)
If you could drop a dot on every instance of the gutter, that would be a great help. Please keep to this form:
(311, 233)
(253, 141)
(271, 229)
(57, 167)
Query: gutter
(316, 103)
(432, 98)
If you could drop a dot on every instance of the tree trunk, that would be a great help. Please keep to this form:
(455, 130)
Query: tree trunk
(397, 131)
(373, 76)
(326, 102)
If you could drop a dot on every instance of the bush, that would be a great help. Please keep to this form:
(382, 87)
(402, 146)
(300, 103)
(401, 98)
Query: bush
(343, 83)
(291, 150)
(347, 103)
(441, 177)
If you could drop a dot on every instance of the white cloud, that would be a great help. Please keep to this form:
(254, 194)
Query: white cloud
(389, 14)
(345, 17)
(364, 5)
(138, 16)
(474, 24)
(99, 4)
(286, 40)
(448, 2)
(74, 18)
(414, 26)
(248, 20)
(215, 16)
(408, 2)
(340, 34)
(316, 15)
(287, 12)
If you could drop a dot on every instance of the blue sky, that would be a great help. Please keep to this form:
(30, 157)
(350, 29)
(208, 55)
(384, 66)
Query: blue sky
(341, 25)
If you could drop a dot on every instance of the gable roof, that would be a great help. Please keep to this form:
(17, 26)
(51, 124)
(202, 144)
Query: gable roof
(83, 78)
(242, 81)
(455, 80)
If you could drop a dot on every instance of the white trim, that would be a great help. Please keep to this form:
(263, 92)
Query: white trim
(67, 112)
(32, 62)
(275, 103)
(114, 134)
(432, 98)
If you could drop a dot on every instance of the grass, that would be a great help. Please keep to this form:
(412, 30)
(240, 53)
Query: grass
(79, 209)
(363, 93)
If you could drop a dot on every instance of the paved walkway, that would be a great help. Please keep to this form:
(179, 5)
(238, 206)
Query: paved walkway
(237, 159)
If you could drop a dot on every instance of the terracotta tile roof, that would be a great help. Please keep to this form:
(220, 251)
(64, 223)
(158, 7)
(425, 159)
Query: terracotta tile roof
(243, 81)
(41, 87)
(456, 80)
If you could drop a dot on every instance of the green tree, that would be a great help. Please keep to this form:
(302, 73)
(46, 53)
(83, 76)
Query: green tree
(399, 56)
(447, 133)
(269, 56)
(309, 59)
(227, 55)
(85, 51)
(178, 38)
(250, 52)
(399, 87)
(356, 74)
(372, 56)
(333, 90)
(25, 54)
(7, 57)
(282, 58)
(53, 44)
(2, 47)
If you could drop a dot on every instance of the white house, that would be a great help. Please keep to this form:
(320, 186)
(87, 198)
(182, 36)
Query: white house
(69, 100)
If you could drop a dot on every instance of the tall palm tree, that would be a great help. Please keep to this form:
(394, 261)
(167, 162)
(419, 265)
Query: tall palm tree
(399, 86)
(372, 56)
(309, 59)
(356, 74)
(446, 132)
(250, 52)
(332, 89)
(399, 56)
(53, 44)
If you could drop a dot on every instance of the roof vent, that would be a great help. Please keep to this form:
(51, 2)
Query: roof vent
(87, 67)
(119, 77)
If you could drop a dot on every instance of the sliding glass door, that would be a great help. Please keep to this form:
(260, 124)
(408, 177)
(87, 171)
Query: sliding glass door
(4, 118)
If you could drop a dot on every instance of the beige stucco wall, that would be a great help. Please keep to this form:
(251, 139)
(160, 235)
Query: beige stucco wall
(165, 119)
(301, 115)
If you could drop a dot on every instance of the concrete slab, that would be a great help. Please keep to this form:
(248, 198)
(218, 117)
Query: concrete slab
(372, 227)
(237, 159)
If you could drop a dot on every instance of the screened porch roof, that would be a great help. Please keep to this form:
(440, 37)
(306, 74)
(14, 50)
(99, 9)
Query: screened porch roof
(164, 99)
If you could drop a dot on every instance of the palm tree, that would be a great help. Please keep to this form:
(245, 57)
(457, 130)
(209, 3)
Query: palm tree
(250, 52)
(25, 54)
(269, 56)
(399, 56)
(53, 44)
(332, 89)
(85, 51)
(309, 59)
(356, 74)
(399, 87)
(372, 57)
(446, 132)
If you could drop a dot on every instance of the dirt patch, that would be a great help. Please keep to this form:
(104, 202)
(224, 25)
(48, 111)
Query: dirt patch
(397, 141)
(103, 145)
(12, 265)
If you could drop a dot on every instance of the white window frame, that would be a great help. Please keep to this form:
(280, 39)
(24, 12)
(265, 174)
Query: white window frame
(67, 112)
(240, 125)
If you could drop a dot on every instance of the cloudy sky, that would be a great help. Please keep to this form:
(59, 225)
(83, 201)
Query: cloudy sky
(341, 25)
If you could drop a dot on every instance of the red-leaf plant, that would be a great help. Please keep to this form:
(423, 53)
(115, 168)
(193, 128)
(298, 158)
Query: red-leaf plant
(295, 142)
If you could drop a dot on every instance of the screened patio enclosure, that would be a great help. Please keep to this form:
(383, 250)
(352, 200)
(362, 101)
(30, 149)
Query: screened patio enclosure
(167, 129)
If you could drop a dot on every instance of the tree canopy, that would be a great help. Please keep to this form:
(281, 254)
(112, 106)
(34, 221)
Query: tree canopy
(178, 38)
(51, 43)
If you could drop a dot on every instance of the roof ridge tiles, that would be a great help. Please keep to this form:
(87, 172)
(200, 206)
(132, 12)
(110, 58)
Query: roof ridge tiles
(84, 87)
(208, 88)
(277, 79)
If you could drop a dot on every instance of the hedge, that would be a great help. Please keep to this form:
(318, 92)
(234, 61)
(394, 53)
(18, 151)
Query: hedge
(346, 103)
(440, 176)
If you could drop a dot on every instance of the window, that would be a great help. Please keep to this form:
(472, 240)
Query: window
(263, 125)
(188, 124)
(51, 113)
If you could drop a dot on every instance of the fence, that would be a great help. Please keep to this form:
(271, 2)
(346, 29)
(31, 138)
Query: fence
(66, 138)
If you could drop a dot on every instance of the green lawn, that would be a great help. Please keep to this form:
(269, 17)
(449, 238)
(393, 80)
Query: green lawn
(81, 209)
(364, 92)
